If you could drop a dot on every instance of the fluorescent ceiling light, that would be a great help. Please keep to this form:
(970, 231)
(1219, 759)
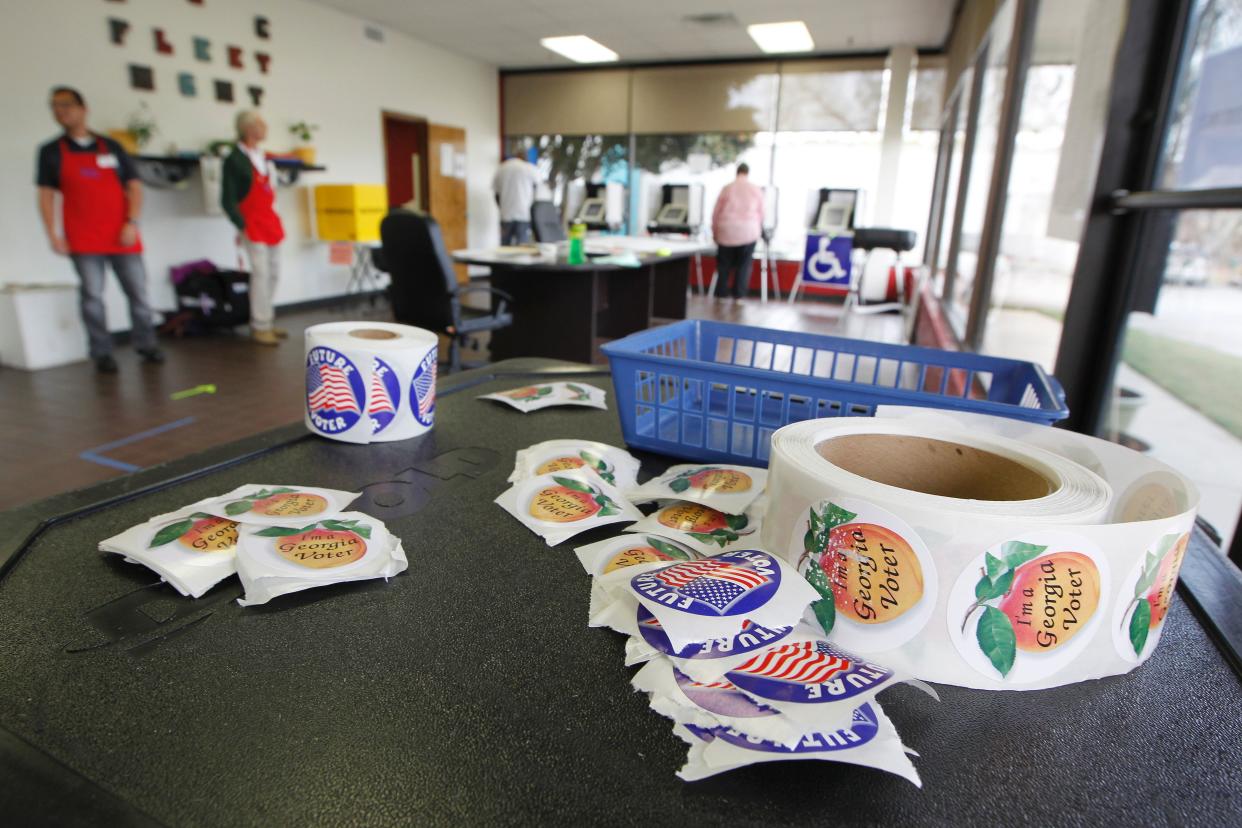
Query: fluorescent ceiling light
(790, 36)
(579, 48)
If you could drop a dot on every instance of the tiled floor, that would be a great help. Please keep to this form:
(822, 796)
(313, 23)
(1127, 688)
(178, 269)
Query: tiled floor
(69, 427)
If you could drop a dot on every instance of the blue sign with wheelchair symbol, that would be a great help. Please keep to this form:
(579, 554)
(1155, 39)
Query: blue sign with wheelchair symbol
(827, 259)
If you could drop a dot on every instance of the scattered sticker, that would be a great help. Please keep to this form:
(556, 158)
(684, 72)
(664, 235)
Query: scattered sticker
(726, 488)
(558, 506)
(276, 560)
(697, 601)
(272, 505)
(534, 397)
(702, 527)
(869, 740)
(613, 465)
(193, 552)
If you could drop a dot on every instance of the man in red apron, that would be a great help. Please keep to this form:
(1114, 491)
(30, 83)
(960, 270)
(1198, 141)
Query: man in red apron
(248, 196)
(101, 201)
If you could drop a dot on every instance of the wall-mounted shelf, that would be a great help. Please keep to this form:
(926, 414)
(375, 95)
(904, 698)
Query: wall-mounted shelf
(170, 172)
(165, 172)
(288, 169)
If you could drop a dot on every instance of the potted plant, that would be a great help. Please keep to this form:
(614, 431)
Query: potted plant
(302, 131)
(142, 126)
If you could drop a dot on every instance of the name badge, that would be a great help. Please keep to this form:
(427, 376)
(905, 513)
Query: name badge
(105, 161)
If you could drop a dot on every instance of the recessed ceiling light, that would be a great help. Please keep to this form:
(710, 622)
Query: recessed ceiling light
(790, 36)
(579, 48)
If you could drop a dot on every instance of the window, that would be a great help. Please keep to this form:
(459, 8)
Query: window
(1055, 157)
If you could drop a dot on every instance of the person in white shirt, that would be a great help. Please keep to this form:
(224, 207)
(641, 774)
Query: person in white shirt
(515, 184)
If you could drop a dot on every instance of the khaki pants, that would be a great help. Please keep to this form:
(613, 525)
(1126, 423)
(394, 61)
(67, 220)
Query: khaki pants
(264, 271)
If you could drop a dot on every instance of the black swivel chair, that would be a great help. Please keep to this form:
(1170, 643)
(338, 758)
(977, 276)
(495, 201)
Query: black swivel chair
(424, 290)
(545, 220)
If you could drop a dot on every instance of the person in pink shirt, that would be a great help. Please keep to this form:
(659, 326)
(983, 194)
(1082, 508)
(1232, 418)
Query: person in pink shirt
(737, 223)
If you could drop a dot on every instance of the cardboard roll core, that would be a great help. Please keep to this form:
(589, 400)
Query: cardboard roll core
(373, 333)
(935, 467)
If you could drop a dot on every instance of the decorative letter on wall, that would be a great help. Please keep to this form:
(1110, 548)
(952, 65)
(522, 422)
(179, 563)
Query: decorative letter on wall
(117, 29)
(264, 60)
(141, 77)
(224, 91)
(262, 28)
(161, 43)
(185, 82)
(235, 57)
(202, 49)
(256, 95)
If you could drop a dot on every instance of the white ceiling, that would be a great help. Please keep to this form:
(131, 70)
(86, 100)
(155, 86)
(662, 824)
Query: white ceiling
(506, 33)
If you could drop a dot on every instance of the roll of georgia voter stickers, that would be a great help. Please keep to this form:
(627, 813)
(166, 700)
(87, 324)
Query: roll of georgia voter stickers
(370, 381)
(977, 551)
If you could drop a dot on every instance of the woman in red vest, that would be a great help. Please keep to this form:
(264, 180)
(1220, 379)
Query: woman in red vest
(248, 196)
(101, 201)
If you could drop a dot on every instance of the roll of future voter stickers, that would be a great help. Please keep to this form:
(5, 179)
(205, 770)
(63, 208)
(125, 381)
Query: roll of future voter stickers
(969, 550)
(370, 381)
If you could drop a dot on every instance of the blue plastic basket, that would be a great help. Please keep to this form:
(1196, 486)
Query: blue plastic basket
(711, 391)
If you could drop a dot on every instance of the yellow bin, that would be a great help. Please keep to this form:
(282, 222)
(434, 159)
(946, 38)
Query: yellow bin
(350, 212)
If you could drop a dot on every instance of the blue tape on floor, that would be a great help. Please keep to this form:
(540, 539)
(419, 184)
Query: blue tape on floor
(95, 455)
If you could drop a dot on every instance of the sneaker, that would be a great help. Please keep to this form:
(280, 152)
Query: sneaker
(265, 337)
(152, 355)
(105, 364)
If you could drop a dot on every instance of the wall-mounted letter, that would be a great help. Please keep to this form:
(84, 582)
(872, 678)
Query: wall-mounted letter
(117, 29)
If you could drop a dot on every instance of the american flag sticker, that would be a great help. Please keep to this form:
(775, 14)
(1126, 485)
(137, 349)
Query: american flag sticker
(335, 394)
(727, 584)
(385, 396)
(808, 672)
(752, 637)
(423, 390)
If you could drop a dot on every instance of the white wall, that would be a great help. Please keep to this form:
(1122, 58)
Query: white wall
(323, 71)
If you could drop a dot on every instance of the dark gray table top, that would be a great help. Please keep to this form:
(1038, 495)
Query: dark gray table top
(469, 689)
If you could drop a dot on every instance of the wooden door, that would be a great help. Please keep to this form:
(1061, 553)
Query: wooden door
(446, 185)
(405, 159)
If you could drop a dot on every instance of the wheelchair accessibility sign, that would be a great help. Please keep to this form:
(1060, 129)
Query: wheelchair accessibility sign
(827, 259)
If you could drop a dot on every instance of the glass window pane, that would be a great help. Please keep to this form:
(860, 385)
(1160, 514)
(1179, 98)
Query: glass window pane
(957, 158)
(1056, 151)
(831, 100)
(979, 184)
(1179, 390)
(1204, 145)
(928, 99)
(706, 161)
(807, 161)
(569, 164)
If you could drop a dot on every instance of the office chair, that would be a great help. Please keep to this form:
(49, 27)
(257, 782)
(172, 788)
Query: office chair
(867, 240)
(424, 289)
(545, 221)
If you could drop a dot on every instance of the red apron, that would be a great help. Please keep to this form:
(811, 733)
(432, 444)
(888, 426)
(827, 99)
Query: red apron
(262, 224)
(93, 201)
